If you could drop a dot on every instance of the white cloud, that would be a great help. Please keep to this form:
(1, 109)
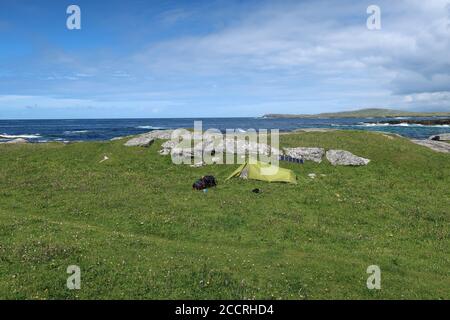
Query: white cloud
(429, 97)
(414, 40)
(291, 56)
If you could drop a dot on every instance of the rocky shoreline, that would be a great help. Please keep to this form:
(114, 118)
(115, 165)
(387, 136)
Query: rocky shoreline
(240, 147)
(441, 137)
(427, 122)
(439, 142)
(434, 145)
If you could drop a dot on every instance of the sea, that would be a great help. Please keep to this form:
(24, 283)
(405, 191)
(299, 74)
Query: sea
(105, 129)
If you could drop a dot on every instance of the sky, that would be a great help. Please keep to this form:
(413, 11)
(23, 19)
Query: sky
(226, 58)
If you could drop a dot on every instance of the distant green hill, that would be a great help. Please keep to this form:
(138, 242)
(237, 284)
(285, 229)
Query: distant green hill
(362, 113)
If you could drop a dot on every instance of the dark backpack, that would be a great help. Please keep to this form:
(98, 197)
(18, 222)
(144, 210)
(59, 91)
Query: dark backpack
(198, 185)
(209, 181)
(204, 182)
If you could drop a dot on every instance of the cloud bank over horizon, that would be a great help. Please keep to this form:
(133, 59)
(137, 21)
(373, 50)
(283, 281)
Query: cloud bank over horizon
(222, 58)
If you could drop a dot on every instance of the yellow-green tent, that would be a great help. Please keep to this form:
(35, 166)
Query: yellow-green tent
(265, 172)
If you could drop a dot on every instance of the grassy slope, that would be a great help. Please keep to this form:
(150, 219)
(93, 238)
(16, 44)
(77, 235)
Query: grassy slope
(137, 230)
(363, 113)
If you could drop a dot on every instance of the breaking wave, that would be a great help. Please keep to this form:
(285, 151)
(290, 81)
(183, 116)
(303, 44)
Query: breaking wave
(23, 136)
(76, 132)
(150, 127)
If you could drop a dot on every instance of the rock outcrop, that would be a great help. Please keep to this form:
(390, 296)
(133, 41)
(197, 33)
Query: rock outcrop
(211, 146)
(16, 141)
(241, 146)
(140, 142)
(311, 154)
(146, 139)
(116, 138)
(345, 158)
(440, 137)
(438, 146)
(166, 147)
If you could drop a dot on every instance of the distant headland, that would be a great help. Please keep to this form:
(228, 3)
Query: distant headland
(362, 113)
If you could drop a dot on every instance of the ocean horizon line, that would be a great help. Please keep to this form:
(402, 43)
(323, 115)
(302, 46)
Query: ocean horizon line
(127, 118)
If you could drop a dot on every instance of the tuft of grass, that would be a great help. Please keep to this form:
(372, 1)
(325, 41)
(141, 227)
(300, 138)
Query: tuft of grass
(137, 229)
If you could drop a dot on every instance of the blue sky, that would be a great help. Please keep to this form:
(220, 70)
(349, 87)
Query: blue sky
(221, 58)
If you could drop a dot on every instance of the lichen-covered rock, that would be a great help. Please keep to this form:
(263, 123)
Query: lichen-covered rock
(440, 137)
(345, 158)
(242, 146)
(438, 146)
(116, 138)
(311, 154)
(166, 147)
(159, 134)
(212, 146)
(17, 141)
(179, 149)
(140, 141)
(146, 139)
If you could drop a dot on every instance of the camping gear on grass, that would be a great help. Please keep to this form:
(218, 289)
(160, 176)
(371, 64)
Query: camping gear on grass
(290, 159)
(264, 172)
(204, 183)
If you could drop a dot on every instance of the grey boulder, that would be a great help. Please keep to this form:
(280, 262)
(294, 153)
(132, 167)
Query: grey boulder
(211, 146)
(311, 154)
(140, 141)
(440, 137)
(345, 158)
(242, 147)
(146, 139)
(166, 147)
(17, 141)
(438, 146)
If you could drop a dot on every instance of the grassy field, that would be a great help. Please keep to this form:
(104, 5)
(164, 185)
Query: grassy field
(137, 229)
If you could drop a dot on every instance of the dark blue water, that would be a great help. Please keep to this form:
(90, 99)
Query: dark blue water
(105, 129)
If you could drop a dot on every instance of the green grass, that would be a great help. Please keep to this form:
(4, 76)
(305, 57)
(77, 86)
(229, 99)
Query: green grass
(137, 229)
